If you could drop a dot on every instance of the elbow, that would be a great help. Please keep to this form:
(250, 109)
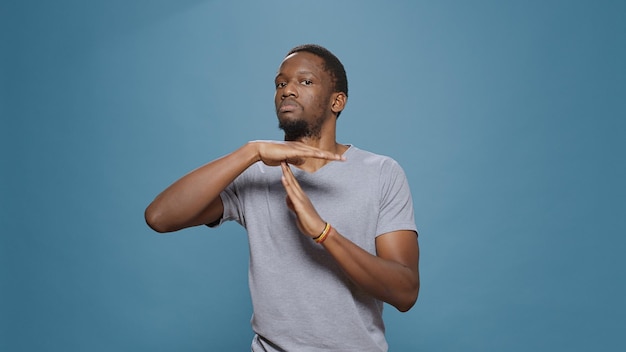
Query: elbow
(155, 220)
(404, 309)
(409, 299)
(407, 304)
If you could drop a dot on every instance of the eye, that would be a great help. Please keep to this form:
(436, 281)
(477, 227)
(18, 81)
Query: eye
(280, 85)
(307, 82)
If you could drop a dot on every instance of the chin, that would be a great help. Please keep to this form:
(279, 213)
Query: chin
(294, 128)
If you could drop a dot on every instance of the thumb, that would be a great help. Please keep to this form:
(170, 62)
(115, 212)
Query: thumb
(289, 203)
(295, 161)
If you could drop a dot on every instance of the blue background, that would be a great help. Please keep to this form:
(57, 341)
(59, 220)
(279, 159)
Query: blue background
(508, 117)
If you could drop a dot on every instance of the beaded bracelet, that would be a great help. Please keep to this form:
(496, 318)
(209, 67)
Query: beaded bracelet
(319, 239)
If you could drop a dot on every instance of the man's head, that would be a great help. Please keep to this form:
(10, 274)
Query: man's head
(331, 63)
(311, 88)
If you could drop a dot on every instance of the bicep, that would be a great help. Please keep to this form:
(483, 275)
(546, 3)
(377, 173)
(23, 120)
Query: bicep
(211, 214)
(401, 247)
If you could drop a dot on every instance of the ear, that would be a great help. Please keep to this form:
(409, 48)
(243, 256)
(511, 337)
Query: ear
(339, 100)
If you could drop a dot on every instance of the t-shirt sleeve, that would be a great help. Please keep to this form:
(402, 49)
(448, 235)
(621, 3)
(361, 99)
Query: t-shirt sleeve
(230, 200)
(396, 203)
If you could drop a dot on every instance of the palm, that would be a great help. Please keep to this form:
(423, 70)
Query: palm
(272, 153)
(308, 220)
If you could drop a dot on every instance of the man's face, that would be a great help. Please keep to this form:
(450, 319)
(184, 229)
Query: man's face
(303, 95)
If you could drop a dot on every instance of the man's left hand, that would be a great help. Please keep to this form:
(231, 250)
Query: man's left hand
(309, 221)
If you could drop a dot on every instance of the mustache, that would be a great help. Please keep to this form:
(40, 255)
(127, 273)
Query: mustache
(288, 103)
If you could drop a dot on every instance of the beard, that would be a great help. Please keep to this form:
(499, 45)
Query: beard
(299, 129)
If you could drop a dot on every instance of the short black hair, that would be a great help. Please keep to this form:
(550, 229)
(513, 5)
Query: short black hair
(331, 64)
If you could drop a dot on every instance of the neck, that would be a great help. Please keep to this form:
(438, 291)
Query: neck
(326, 142)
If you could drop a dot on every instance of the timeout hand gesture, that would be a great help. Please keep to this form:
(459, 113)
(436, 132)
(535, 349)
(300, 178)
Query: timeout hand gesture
(309, 221)
(272, 153)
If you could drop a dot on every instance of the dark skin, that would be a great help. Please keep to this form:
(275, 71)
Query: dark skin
(304, 92)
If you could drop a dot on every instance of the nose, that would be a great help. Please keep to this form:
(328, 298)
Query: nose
(289, 90)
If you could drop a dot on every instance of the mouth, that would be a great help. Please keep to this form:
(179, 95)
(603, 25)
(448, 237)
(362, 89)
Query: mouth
(287, 106)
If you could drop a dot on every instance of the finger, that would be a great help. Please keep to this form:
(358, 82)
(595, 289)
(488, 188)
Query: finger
(287, 178)
(292, 187)
(290, 196)
(287, 174)
(295, 161)
(323, 154)
(289, 203)
(316, 152)
(291, 179)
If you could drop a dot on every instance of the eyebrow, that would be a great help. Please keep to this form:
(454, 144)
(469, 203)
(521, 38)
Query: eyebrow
(300, 73)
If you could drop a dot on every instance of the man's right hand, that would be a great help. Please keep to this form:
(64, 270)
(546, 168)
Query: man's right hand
(194, 199)
(272, 153)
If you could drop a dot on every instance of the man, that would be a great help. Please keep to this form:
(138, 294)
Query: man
(330, 226)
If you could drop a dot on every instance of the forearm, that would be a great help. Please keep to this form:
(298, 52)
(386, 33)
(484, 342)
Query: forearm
(388, 280)
(392, 275)
(188, 201)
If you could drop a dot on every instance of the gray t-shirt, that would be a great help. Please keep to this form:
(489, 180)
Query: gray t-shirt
(302, 300)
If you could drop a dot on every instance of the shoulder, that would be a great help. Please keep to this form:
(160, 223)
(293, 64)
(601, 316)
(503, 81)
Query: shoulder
(373, 160)
(257, 172)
